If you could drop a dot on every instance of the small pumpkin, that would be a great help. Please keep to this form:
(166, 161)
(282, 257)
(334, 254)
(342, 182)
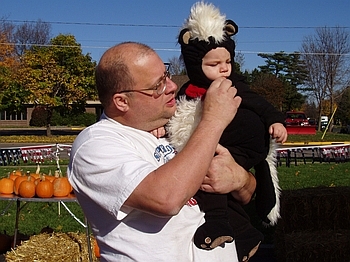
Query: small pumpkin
(17, 182)
(6, 185)
(96, 249)
(61, 185)
(36, 175)
(50, 177)
(44, 188)
(15, 173)
(27, 188)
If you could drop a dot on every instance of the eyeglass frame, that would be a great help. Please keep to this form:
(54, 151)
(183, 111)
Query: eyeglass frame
(165, 75)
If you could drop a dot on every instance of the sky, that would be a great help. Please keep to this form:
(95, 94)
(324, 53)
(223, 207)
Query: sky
(265, 26)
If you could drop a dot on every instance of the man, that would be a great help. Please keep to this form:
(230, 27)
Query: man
(135, 192)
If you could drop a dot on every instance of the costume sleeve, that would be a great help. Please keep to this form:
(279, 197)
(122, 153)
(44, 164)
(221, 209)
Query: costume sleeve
(252, 101)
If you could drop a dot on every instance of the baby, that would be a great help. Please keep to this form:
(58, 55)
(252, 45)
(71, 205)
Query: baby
(208, 53)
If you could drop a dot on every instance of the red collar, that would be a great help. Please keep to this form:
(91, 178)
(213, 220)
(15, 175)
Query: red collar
(195, 91)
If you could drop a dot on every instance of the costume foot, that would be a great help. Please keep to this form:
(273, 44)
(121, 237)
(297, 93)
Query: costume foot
(212, 234)
(247, 243)
(251, 253)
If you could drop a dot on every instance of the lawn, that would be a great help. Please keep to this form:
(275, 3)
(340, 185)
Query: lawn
(35, 216)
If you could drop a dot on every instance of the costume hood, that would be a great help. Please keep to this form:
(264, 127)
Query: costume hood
(205, 29)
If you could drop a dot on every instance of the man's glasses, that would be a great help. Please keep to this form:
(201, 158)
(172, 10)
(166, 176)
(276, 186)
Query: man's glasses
(159, 87)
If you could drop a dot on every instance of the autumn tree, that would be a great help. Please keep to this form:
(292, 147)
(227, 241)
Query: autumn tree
(324, 54)
(57, 76)
(269, 87)
(8, 64)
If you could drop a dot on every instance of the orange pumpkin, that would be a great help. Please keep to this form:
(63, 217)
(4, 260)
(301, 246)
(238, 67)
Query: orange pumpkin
(6, 185)
(61, 185)
(36, 175)
(96, 249)
(15, 173)
(17, 182)
(27, 188)
(44, 188)
(50, 178)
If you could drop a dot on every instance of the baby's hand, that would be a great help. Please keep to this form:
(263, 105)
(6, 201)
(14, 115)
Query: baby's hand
(158, 132)
(278, 131)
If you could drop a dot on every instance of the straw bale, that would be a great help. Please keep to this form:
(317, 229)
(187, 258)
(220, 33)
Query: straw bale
(52, 247)
(315, 209)
(315, 225)
(323, 245)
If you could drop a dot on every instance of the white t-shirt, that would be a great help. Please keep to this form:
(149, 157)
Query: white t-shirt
(108, 161)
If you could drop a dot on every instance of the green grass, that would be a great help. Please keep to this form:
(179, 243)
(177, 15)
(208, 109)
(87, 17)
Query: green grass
(314, 175)
(334, 137)
(34, 216)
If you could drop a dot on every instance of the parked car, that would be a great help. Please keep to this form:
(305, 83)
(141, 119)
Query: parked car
(296, 118)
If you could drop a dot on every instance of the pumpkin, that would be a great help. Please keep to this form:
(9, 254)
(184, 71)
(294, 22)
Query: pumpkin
(50, 177)
(36, 175)
(15, 173)
(44, 188)
(96, 249)
(17, 182)
(6, 185)
(61, 185)
(27, 188)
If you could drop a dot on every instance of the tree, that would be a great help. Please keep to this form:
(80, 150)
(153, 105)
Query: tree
(8, 64)
(269, 87)
(28, 35)
(177, 66)
(324, 55)
(289, 68)
(343, 111)
(57, 76)
(239, 62)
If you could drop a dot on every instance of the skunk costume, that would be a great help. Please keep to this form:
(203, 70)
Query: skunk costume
(246, 137)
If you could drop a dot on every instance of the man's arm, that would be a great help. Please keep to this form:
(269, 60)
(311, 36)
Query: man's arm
(225, 175)
(168, 188)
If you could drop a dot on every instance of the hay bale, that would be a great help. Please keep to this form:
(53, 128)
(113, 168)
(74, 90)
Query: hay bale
(315, 225)
(322, 245)
(52, 247)
(315, 209)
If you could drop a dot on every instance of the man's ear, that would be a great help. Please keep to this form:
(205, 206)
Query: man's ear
(121, 102)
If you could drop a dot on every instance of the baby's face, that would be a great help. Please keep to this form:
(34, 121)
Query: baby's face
(217, 63)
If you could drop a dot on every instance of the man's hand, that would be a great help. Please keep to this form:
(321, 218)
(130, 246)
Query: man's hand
(221, 102)
(225, 175)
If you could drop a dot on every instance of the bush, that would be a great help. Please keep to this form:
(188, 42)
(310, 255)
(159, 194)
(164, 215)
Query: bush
(84, 119)
(39, 116)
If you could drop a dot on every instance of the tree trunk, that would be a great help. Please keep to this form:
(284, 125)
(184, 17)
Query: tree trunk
(48, 122)
(48, 130)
